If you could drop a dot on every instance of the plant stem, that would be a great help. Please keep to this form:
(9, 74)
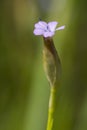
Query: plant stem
(51, 108)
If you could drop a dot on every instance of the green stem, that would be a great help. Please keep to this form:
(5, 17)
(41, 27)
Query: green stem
(51, 108)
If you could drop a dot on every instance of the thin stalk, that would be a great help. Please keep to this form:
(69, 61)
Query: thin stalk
(51, 108)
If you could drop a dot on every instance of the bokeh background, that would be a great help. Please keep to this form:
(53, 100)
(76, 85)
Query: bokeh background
(24, 90)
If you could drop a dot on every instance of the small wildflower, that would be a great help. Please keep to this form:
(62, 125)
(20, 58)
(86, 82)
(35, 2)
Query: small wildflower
(51, 60)
(46, 29)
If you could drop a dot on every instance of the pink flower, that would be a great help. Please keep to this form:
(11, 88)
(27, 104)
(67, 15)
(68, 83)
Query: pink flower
(46, 29)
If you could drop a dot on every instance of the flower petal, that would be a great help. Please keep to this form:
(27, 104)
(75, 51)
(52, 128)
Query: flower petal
(52, 26)
(38, 31)
(41, 25)
(37, 25)
(48, 34)
(60, 28)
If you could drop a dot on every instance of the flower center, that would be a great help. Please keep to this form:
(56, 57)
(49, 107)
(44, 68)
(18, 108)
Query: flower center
(47, 29)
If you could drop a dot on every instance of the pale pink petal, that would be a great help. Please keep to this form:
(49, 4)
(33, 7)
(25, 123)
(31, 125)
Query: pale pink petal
(38, 31)
(52, 25)
(48, 34)
(37, 25)
(41, 25)
(60, 28)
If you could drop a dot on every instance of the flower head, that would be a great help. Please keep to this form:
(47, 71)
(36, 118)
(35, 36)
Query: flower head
(46, 29)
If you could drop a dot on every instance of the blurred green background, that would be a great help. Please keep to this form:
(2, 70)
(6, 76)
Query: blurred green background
(24, 90)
